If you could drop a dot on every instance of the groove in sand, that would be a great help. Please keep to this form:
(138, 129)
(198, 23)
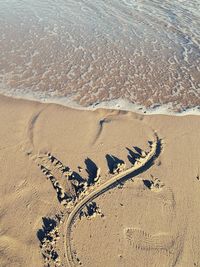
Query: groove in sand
(138, 168)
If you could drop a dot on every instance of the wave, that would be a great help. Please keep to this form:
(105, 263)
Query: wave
(116, 104)
(88, 52)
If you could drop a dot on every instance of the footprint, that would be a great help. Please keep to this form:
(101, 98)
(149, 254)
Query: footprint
(160, 244)
(146, 241)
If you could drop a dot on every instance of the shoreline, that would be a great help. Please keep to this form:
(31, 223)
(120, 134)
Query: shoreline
(117, 104)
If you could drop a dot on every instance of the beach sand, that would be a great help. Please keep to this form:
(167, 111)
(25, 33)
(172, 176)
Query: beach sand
(151, 219)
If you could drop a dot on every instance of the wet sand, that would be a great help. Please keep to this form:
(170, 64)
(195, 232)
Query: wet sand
(145, 52)
(54, 157)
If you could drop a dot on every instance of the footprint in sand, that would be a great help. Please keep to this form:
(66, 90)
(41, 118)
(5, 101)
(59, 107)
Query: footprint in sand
(157, 245)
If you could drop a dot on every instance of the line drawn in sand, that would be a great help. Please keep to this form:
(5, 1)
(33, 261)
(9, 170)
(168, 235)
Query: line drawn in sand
(76, 195)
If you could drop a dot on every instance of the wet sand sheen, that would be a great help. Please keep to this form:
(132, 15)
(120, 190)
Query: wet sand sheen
(146, 52)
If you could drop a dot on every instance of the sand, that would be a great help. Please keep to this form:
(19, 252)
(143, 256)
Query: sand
(97, 188)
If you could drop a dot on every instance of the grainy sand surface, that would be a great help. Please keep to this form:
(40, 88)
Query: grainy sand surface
(151, 218)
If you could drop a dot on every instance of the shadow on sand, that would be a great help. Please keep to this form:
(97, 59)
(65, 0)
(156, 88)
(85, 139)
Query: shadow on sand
(112, 162)
(48, 225)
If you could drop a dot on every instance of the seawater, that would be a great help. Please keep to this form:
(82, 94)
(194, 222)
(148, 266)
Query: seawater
(144, 53)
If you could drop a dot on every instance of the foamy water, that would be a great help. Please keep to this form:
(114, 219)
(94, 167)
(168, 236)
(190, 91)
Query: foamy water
(121, 53)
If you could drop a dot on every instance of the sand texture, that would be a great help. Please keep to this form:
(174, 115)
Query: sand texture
(97, 188)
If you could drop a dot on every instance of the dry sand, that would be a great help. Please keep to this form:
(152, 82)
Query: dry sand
(150, 220)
